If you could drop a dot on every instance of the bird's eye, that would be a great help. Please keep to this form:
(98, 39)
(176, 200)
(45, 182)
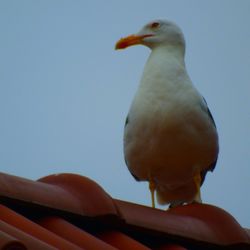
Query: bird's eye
(155, 25)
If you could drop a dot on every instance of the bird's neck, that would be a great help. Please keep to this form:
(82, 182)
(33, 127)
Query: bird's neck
(165, 66)
(167, 57)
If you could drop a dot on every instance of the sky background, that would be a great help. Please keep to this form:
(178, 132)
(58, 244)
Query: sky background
(65, 91)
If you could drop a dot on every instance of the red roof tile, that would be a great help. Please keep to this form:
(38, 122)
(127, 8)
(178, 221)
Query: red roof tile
(68, 211)
(73, 186)
(121, 240)
(73, 234)
(21, 239)
(7, 241)
(18, 221)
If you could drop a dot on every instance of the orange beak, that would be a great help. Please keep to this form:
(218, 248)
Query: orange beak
(131, 40)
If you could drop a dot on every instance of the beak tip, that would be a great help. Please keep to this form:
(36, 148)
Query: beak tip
(120, 44)
(130, 40)
(116, 47)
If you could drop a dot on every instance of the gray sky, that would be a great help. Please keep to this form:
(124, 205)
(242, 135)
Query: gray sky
(65, 91)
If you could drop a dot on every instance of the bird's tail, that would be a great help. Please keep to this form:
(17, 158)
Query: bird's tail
(183, 194)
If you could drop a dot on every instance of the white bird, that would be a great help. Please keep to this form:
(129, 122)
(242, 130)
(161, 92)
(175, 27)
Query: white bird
(170, 138)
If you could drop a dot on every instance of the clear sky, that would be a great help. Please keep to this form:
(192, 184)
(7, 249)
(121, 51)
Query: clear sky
(65, 91)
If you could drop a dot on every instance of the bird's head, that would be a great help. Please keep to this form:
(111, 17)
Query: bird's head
(154, 34)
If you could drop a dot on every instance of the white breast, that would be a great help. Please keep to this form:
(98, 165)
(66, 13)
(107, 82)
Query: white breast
(169, 134)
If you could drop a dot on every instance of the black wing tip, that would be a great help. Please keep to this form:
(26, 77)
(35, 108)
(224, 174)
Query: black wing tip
(209, 112)
(210, 168)
(136, 178)
(126, 121)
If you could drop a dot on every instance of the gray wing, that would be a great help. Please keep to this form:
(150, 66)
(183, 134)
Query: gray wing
(136, 178)
(213, 165)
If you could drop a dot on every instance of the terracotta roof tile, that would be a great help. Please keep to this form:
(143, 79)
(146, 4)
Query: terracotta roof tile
(171, 247)
(195, 222)
(22, 240)
(7, 241)
(248, 232)
(18, 221)
(73, 234)
(121, 241)
(69, 211)
(94, 202)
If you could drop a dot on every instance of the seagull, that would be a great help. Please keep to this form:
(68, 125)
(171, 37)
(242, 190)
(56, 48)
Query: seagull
(170, 137)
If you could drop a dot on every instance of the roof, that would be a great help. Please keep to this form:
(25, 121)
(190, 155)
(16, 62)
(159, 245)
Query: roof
(69, 211)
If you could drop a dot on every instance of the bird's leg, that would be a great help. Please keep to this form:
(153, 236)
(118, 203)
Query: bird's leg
(152, 191)
(197, 181)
